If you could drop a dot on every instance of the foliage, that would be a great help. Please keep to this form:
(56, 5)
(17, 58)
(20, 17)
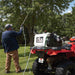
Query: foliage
(69, 23)
(42, 14)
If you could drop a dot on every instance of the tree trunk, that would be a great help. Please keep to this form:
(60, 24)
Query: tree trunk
(31, 29)
(31, 36)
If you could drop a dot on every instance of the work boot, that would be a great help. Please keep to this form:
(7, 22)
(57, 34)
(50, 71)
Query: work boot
(20, 71)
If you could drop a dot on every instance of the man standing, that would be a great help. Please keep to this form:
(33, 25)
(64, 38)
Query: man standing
(11, 46)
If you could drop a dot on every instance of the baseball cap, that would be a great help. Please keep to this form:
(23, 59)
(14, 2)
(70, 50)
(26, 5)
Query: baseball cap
(7, 26)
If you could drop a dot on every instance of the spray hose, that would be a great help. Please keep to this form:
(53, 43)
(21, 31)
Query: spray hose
(23, 30)
(27, 63)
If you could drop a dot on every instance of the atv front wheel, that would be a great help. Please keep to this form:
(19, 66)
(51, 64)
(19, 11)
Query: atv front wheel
(67, 68)
(38, 68)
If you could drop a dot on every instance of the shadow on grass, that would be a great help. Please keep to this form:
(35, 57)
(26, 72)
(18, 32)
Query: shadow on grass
(23, 70)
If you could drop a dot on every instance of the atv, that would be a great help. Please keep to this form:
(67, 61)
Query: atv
(54, 58)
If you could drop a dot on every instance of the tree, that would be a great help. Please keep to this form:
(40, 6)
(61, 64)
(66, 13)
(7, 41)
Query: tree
(68, 21)
(42, 13)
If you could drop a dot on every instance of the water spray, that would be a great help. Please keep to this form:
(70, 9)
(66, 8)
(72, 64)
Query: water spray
(25, 43)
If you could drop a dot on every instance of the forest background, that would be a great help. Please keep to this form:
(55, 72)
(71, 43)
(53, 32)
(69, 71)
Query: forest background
(43, 15)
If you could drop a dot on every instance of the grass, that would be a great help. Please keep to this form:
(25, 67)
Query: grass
(22, 60)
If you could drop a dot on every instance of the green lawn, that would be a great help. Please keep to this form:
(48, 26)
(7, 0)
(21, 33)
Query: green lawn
(22, 60)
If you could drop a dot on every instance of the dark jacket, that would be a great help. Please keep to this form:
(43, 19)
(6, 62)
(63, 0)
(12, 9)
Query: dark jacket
(9, 41)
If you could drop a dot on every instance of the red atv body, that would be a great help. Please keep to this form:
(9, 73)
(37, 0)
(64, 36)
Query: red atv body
(52, 51)
(54, 60)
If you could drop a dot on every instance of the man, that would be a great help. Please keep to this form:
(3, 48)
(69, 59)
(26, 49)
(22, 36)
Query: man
(11, 46)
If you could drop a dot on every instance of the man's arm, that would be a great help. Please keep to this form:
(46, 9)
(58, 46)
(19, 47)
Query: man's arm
(14, 33)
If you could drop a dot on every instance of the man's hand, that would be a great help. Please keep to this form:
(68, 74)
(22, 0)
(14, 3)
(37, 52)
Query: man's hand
(21, 28)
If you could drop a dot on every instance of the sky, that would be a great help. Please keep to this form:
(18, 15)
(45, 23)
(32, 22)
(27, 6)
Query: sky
(70, 8)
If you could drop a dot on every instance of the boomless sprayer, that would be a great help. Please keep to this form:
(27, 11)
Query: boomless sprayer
(53, 58)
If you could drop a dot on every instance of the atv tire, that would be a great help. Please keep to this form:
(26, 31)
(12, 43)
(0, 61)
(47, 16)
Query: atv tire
(36, 68)
(67, 68)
